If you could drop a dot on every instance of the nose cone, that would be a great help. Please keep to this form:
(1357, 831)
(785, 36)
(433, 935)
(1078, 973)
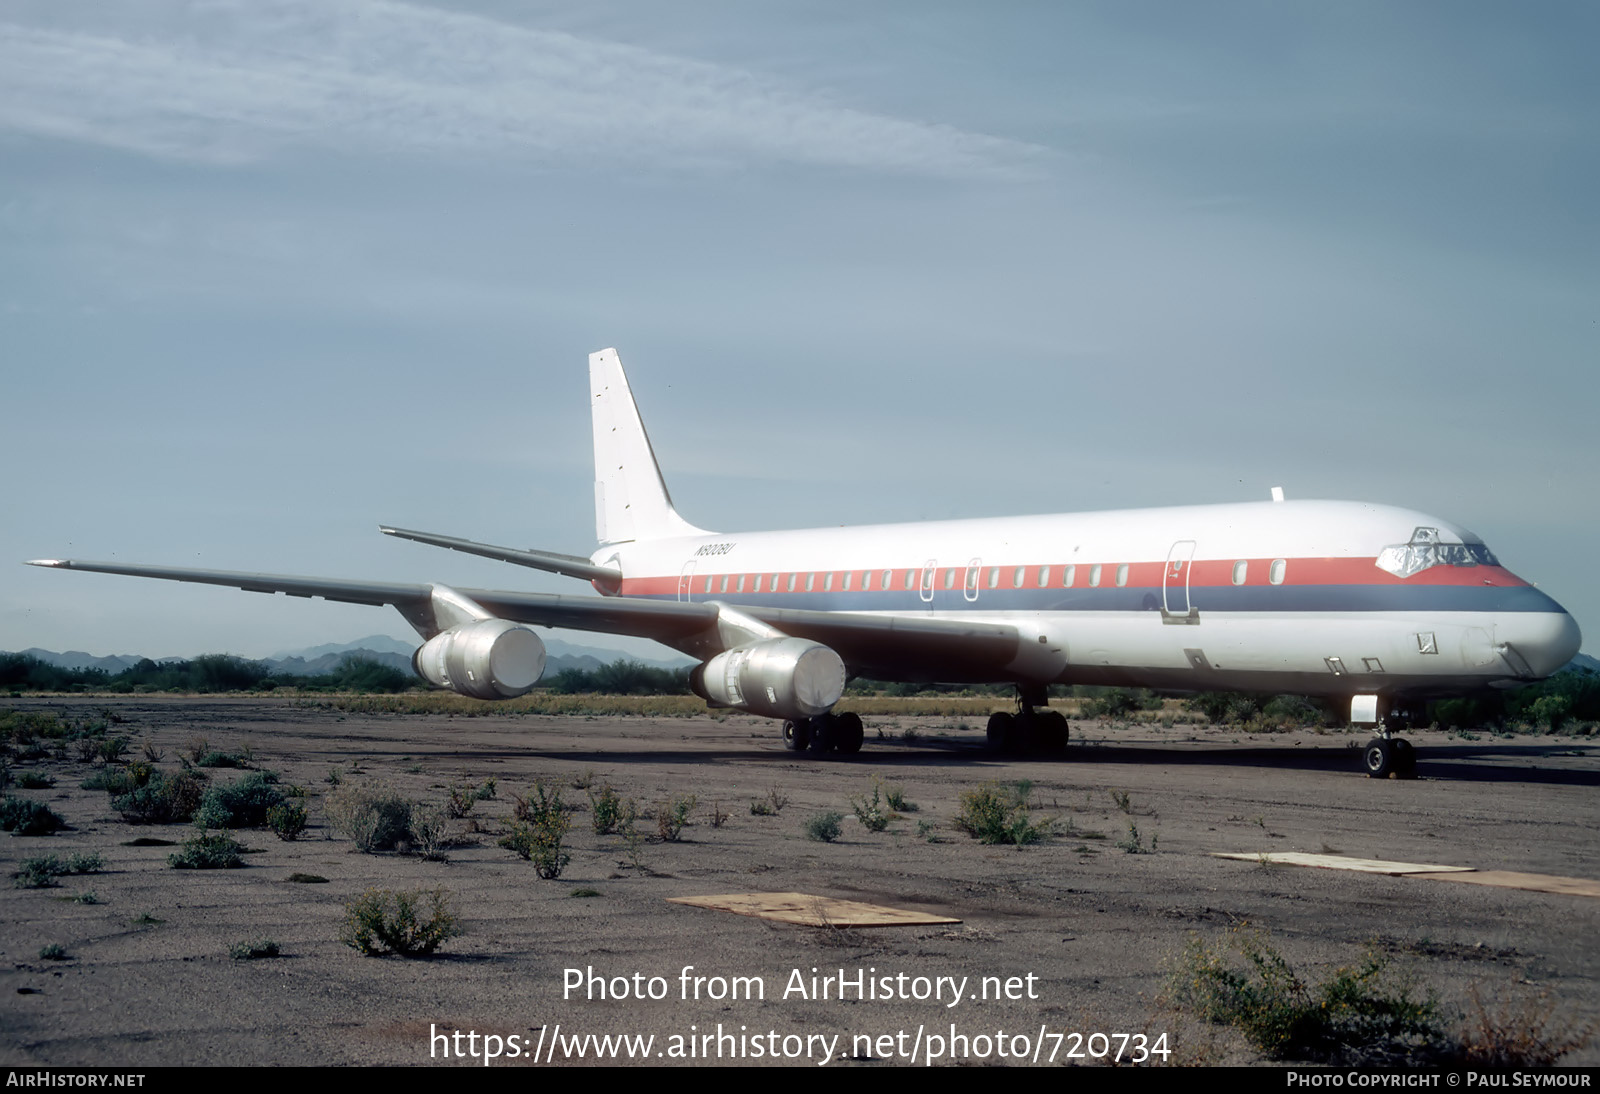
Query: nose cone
(1547, 641)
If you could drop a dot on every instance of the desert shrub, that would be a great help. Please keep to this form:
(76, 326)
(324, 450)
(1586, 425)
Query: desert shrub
(896, 797)
(164, 799)
(538, 838)
(287, 819)
(870, 812)
(997, 814)
(771, 805)
(672, 815)
(41, 871)
(26, 817)
(1361, 1014)
(33, 780)
(376, 817)
(207, 851)
(383, 922)
(254, 951)
(217, 758)
(240, 804)
(824, 827)
(1119, 703)
(605, 810)
(38, 873)
(1517, 1033)
(55, 951)
(430, 831)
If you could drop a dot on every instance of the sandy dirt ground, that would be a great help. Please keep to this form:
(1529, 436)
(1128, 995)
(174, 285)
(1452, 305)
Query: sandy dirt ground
(148, 978)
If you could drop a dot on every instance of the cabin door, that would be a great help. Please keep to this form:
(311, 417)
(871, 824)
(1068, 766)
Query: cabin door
(1175, 600)
(686, 582)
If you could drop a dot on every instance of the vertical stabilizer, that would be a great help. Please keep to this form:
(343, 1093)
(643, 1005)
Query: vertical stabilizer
(630, 497)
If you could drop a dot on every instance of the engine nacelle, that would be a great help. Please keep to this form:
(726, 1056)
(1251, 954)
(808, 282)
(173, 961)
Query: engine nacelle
(780, 678)
(489, 659)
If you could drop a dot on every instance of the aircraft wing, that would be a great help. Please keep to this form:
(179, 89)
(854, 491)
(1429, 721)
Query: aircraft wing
(893, 647)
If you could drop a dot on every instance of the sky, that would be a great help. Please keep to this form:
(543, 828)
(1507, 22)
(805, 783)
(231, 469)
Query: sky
(275, 272)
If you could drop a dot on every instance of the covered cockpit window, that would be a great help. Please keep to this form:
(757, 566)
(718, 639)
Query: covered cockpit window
(1427, 549)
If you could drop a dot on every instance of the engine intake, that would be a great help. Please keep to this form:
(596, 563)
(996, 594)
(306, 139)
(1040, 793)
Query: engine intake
(779, 677)
(489, 659)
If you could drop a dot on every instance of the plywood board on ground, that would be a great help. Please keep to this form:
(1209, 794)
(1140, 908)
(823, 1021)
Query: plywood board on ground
(1344, 862)
(813, 911)
(1511, 879)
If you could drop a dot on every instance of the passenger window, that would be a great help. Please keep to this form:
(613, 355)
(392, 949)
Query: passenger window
(1067, 576)
(994, 577)
(911, 579)
(1275, 574)
(811, 582)
(845, 585)
(888, 575)
(792, 578)
(1044, 577)
(758, 583)
(1094, 576)
(741, 584)
(1122, 574)
(827, 582)
(1241, 570)
(724, 584)
(707, 589)
(1018, 576)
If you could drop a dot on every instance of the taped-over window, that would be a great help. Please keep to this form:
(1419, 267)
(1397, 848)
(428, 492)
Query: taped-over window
(1426, 550)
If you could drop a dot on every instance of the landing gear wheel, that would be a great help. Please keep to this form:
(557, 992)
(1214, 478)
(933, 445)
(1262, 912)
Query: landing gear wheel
(1051, 731)
(823, 734)
(1002, 732)
(1379, 758)
(1405, 758)
(849, 732)
(796, 735)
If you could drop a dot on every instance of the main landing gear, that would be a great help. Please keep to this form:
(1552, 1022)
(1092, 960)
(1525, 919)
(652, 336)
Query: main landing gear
(1032, 731)
(824, 733)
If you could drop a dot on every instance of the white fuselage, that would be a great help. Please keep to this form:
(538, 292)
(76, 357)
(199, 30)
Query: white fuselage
(1269, 596)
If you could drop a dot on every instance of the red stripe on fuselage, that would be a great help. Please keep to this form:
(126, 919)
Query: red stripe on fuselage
(1146, 575)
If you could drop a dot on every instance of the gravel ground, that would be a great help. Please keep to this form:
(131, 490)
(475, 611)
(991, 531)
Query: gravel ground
(148, 978)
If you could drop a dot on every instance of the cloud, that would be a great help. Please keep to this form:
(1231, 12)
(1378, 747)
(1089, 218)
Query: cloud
(237, 82)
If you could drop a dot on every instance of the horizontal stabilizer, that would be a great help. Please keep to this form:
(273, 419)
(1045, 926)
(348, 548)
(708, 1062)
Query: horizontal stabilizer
(549, 561)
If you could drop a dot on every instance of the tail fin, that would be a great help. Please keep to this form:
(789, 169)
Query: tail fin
(630, 497)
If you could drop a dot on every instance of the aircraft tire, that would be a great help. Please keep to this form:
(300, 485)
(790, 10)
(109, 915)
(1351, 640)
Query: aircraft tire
(850, 732)
(796, 735)
(824, 734)
(1052, 732)
(1405, 758)
(1001, 732)
(1379, 758)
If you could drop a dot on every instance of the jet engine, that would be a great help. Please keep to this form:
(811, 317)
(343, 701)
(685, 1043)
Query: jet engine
(778, 677)
(488, 659)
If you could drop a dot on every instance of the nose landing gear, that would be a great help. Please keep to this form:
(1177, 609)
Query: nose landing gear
(1387, 756)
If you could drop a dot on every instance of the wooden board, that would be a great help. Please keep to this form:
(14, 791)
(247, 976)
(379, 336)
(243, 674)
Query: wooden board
(813, 911)
(1538, 883)
(1343, 862)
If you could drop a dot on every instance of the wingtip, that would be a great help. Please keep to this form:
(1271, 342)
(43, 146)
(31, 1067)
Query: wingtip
(47, 562)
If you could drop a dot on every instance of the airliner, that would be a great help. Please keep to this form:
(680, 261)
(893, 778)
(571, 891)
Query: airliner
(1371, 606)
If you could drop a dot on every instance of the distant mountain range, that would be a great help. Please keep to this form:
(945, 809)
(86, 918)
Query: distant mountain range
(319, 660)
